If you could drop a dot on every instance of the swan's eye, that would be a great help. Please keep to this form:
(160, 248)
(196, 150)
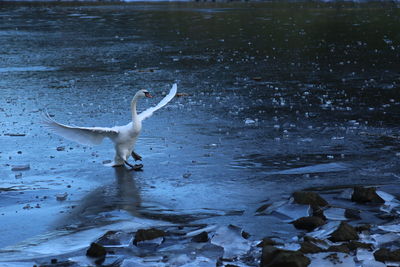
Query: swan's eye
(147, 94)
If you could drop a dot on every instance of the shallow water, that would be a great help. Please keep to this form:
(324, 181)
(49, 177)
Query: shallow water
(280, 97)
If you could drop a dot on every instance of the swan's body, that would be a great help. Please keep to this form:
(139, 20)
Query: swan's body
(123, 137)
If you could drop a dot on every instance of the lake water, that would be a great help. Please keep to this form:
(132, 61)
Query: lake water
(278, 97)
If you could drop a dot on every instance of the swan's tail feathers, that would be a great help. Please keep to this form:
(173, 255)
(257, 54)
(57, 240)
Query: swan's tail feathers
(148, 112)
(81, 135)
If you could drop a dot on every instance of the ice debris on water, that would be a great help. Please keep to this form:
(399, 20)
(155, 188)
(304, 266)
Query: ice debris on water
(336, 214)
(20, 167)
(231, 239)
(328, 259)
(248, 121)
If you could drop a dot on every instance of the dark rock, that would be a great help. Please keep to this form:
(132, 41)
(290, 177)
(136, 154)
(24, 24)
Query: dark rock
(274, 257)
(245, 235)
(340, 248)
(353, 245)
(345, 232)
(266, 242)
(263, 207)
(96, 251)
(200, 238)
(310, 198)
(314, 240)
(147, 234)
(318, 212)
(363, 227)
(20, 167)
(308, 223)
(365, 195)
(352, 214)
(309, 247)
(384, 254)
(54, 261)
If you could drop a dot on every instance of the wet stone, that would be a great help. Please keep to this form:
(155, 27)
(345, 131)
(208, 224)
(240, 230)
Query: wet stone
(147, 234)
(345, 232)
(353, 245)
(310, 198)
(274, 257)
(384, 254)
(20, 167)
(96, 251)
(266, 242)
(263, 207)
(366, 195)
(308, 223)
(339, 248)
(352, 214)
(309, 247)
(200, 238)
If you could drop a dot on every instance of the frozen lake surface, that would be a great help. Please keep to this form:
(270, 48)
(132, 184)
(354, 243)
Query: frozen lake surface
(277, 98)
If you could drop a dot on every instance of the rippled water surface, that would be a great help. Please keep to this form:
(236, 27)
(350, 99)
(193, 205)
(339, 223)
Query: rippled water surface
(277, 97)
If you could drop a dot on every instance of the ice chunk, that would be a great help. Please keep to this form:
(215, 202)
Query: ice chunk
(319, 168)
(230, 238)
(390, 228)
(385, 196)
(290, 246)
(329, 259)
(294, 211)
(364, 255)
(325, 230)
(336, 214)
(373, 263)
(385, 238)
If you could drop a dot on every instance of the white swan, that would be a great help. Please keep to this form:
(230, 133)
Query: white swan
(123, 137)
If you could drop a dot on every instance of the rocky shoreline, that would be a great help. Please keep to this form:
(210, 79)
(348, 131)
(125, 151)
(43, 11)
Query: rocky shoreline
(355, 226)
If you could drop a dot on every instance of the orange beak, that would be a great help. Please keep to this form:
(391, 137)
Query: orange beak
(147, 94)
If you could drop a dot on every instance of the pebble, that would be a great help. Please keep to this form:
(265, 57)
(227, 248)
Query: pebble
(20, 167)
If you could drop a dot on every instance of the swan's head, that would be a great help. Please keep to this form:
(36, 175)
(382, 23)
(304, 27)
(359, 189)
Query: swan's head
(144, 93)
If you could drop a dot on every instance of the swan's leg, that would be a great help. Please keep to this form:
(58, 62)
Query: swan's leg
(136, 167)
(136, 156)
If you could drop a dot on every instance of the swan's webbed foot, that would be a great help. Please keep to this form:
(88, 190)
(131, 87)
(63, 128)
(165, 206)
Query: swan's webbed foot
(135, 156)
(136, 167)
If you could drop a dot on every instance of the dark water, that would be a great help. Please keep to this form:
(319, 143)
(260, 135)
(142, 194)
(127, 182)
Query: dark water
(280, 97)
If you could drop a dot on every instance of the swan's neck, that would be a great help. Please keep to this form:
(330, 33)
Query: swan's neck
(133, 108)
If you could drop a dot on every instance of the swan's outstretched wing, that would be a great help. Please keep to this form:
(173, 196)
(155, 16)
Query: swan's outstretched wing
(148, 112)
(81, 135)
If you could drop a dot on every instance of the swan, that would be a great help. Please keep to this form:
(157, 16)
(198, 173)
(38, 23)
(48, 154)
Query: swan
(123, 137)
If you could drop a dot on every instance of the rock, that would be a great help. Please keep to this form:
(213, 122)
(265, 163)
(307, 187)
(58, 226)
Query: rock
(20, 167)
(274, 257)
(352, 214)
(200, 238)
(61, 197)
(384, 254)
(308, 247)
(363, 227)
(14, 134)
(186, 175)
(366, 195)
(353, 245)
(318, 212)
(310, 198)
(266, 242)
(96, 251)
(60, 148)
(308, 223)
(263, 207)
(345, 232)
(340, 248)
(147, 234)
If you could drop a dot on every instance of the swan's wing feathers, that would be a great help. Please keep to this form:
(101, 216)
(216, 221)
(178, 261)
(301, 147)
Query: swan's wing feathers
(148, 112)
(82, 135)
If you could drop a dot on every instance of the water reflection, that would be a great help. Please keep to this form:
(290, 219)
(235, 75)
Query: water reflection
(97, 207)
